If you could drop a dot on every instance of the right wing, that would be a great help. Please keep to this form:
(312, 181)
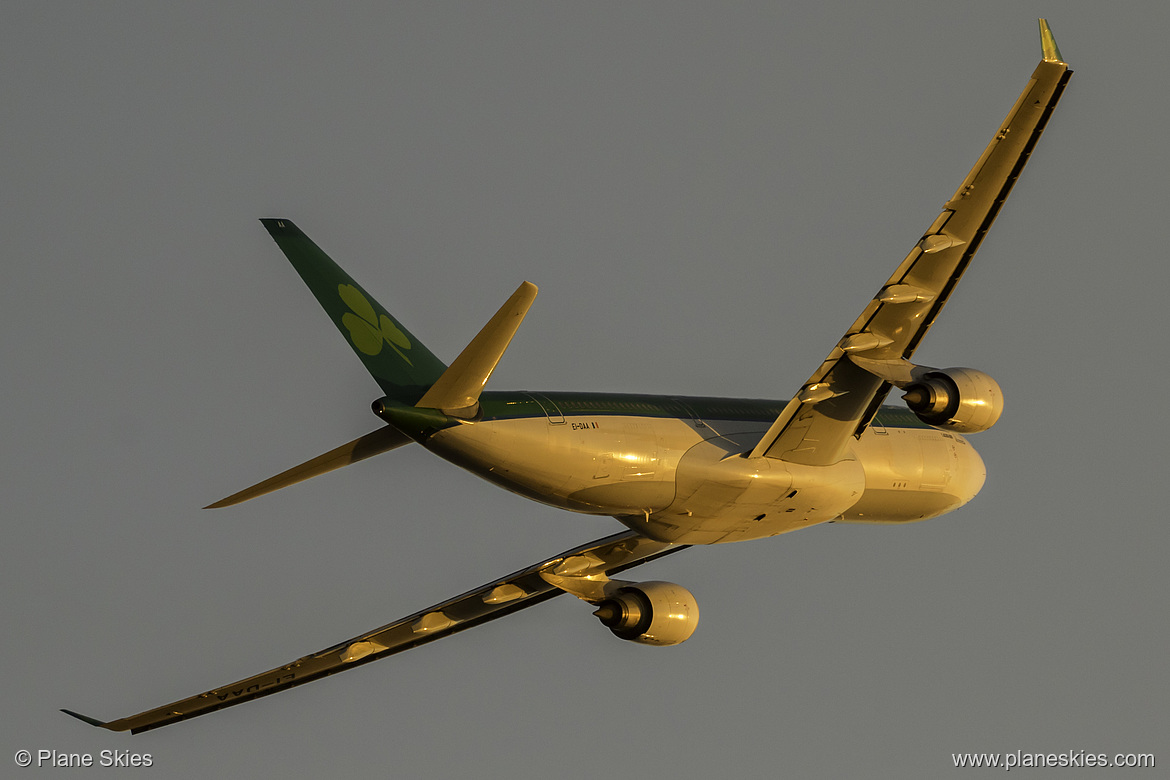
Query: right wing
(840, 398)
(498, 598)
(381, 440)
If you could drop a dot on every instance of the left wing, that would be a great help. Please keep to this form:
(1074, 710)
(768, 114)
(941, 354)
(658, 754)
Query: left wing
(840, 398)
(496, 599)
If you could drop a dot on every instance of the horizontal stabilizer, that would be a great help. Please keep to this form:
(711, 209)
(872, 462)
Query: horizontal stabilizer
(458, 389)
(381, 440)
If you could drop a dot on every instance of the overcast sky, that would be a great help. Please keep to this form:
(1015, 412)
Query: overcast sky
(707, 195)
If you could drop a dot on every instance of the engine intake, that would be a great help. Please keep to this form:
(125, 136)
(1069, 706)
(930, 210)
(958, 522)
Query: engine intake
(957, 399)
(650, 613)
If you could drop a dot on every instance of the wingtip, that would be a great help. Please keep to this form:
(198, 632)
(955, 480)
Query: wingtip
(1048, 43)
(86, 718)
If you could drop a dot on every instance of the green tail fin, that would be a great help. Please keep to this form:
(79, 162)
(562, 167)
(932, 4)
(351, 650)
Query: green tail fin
(399, 363)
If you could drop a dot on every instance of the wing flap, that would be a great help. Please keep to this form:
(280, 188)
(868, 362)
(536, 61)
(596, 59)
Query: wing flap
(498, 598)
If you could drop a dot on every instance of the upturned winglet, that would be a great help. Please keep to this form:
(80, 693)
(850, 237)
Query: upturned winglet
(1048, 43)
(87, 719)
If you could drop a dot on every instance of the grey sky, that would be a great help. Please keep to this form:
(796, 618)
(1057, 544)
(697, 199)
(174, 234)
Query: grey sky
(707, 195)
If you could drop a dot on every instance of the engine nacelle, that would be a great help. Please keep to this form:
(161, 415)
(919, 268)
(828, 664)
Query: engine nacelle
(650, 613)
(956, 399)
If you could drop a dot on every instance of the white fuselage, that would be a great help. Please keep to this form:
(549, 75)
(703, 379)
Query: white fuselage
(688, 481)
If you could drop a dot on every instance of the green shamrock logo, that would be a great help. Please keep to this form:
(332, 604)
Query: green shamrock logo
(367, 330)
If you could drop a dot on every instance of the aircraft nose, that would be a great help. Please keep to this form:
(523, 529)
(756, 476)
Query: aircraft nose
(970, 473)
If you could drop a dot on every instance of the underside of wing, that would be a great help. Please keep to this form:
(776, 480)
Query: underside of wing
(498, 598)
(841, 397)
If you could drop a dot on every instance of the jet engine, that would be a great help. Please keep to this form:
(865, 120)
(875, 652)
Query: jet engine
(650, 613)
(955, 399)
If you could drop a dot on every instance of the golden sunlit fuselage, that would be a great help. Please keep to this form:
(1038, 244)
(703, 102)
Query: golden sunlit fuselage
(688, 480)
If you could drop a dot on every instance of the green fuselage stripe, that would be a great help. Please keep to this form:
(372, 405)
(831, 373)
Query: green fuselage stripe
(512, 405)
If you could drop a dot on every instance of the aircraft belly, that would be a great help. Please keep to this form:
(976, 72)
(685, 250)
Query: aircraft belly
(624, 497)
(899, 506)
(725, 497)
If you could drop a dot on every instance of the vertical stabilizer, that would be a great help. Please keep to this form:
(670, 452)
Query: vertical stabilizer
(399, 363)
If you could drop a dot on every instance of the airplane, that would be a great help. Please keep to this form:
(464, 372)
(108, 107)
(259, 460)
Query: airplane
(675, 471)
